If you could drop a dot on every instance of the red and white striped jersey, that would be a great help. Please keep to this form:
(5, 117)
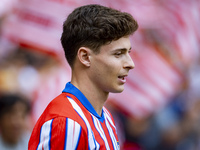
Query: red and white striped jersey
(70, 122)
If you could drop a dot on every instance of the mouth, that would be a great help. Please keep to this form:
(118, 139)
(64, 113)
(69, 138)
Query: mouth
(122, 78)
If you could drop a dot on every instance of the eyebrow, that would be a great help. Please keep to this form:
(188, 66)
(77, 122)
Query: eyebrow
(122, 49)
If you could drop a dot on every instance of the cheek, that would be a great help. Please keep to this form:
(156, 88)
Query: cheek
(106, 68)
(101, 73)
(109, 69)
(4, 123)
(109, 73)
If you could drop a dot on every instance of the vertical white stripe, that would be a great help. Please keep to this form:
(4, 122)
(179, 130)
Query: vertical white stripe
(93, 144)
(73, 133)
(69, 128)
(77, 130)
(105, 110)
(45, 136)
(113, 138)
(99, 128)
(107, 115)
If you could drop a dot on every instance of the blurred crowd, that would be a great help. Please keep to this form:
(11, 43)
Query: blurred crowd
(30, 78)
(176, 126)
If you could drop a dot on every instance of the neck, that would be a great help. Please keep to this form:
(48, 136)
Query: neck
(95, 95)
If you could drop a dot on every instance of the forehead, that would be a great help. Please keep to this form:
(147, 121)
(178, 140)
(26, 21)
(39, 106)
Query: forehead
(122, 43)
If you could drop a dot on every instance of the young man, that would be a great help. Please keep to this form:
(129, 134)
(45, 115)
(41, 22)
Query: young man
(96, 44)
(14, 110)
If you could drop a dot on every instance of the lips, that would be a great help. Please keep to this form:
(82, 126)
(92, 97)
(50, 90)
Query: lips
(122, 78)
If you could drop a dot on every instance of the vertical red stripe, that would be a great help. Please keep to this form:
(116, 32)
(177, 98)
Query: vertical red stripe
(107, 135)
(58, 133)
(96, 134)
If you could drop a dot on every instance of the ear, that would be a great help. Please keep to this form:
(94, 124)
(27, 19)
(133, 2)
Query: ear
(84, 56)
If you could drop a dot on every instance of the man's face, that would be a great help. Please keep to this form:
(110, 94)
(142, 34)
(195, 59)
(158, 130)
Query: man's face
(110, 67)
(13, 123)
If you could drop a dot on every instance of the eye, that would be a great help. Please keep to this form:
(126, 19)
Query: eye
(118, 53)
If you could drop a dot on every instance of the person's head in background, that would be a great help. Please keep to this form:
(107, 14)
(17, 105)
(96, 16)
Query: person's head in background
(14, 109)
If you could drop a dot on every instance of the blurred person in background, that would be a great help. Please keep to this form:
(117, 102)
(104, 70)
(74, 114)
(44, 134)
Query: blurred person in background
(97, 45)
(14, 110)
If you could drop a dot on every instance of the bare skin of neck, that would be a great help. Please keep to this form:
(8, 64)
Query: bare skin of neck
(96, 96)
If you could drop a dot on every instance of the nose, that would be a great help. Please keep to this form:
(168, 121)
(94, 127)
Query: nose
(129, 63)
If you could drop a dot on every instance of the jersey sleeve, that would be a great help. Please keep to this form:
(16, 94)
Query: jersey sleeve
(62, 134)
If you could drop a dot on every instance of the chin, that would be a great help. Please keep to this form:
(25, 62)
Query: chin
(118, 90)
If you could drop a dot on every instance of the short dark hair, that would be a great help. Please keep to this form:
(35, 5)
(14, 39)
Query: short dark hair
(93, 26)
(8, 100)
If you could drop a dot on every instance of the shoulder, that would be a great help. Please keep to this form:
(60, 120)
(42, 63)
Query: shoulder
(57, 122)
(61, 125)
(57, 133)
(60, 107)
